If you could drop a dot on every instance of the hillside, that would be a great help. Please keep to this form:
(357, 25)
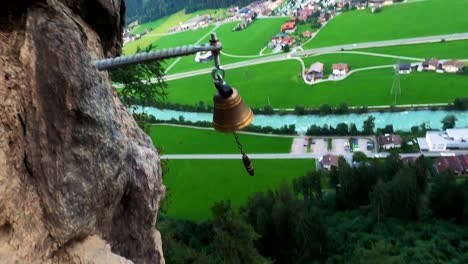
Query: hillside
(148, 10)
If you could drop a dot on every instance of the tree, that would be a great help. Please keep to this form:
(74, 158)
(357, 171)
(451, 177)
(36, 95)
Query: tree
(233, 240)
(342, 129)
(359, 156)
(392, 164)
(422, 173)
(325, 109)
(448, 199)
(342, 109)
(353, 130)
(368, 126)
(139, 88)
(449, 121)
(380, 199)
(286, 48)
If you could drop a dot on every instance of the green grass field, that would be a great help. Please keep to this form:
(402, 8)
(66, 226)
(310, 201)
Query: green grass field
(180, 140)
(282, 85)
(445, 50)
(395, 22)
(195, 185)
(161, 42)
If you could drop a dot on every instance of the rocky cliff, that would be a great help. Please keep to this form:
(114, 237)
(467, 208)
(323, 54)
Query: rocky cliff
(79, 181)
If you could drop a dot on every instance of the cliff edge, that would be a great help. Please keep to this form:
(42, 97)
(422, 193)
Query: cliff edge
(79, 181)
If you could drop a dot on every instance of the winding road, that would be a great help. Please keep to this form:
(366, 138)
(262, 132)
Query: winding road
(327, 50)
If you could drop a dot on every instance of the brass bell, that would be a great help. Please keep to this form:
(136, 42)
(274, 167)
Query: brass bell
(230, 113)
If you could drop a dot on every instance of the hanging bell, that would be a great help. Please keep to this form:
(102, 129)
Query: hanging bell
(230, 112)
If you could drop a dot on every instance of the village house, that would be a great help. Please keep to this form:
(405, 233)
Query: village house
(340, 69)
(307, 34)
(376, 4)
(303, 14)
(322, 19)
(196, 22)
(315, 72)
(289, 27)
(453, 66)
(133, 25)
(457, 164)
(389, 141)
(430, 64)
(451, 139)
(288, 40)
(329, 161)
(404, 68)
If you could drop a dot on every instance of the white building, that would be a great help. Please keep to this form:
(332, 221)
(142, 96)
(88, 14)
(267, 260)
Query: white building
(441, 141)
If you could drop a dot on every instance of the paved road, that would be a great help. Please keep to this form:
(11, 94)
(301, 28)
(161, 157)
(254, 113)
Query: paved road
(294, 156)
(273, 58)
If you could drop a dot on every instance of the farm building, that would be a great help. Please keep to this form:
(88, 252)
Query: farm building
(288, 40)
(340, 69)
(315, 71)
(430, 64)
(457, 164)
(289, 27)
(329, 161)
(389, 141)
(442, 141)
(307, 34)
(453, 66)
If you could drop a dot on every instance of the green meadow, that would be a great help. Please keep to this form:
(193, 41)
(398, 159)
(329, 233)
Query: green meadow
(281, 84)
(398, 21)
(182, 140)
(444, 50)
(195, 185)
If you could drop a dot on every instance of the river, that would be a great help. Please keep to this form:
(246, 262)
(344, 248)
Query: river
(400, 120)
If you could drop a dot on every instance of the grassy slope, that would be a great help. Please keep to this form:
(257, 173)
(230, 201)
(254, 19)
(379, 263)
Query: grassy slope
(446, 50)
(179, 140)
(169, 41)
(247, 42)
(195, 185)
(251, 40)
(152, 25)
(395, 22)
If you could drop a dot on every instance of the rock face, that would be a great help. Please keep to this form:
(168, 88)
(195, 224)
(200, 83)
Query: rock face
(79, 181)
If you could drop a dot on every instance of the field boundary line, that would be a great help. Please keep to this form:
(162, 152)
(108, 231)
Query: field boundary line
(239, 132)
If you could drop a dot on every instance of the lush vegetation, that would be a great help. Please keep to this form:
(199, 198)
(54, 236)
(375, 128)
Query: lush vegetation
(281, 84)
(169, 41)
(195, 185)
(148, 10)
(394, 22)
(381, 211)
(442, 50)
(181, 140)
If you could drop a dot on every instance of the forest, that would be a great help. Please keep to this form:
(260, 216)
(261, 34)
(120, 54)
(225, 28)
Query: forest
(374, 211)
(148, 10)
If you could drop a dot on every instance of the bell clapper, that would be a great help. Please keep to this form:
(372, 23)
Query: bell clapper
(247, 163)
